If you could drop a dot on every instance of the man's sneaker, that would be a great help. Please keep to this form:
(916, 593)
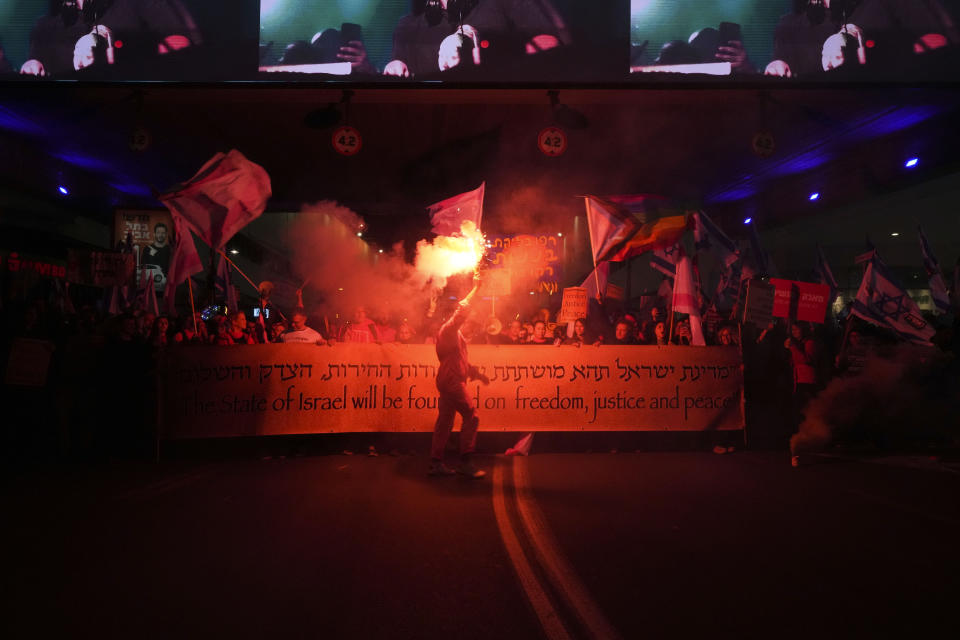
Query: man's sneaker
(467, 469)
(439, 469)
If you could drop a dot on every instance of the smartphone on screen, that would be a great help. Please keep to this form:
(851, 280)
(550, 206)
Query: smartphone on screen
(729, 31)
(350, 31)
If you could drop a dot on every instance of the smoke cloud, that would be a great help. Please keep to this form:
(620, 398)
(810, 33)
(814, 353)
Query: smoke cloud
(342, 272)
(904, 394)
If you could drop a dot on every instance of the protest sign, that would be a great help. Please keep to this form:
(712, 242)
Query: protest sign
(803, 301)
(574, 305)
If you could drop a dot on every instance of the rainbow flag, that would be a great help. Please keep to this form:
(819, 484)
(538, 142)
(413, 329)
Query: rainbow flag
(625, 226)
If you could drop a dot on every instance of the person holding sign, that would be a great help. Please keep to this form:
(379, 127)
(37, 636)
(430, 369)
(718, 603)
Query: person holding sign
(452, 376)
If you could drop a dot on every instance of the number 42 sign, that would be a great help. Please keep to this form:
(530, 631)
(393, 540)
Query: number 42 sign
(552, 141)
(346, 141)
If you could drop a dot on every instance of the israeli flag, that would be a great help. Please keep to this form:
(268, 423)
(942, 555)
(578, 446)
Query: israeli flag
(709, 237)
(938, 287)
(825, 274)
(883, 302)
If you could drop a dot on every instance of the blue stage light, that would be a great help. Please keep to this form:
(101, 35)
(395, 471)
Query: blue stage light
(747, 220)
(911, 163)
(815, 195)
(62, 189)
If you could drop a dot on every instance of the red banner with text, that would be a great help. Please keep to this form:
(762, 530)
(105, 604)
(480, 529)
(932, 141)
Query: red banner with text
(289, 388)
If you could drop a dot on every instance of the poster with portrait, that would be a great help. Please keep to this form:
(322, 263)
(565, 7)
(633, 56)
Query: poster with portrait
(150, 232)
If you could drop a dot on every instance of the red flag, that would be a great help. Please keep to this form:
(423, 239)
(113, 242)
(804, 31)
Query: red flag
(447, 215)
(148, 293)
(184, 262)
(226, 194)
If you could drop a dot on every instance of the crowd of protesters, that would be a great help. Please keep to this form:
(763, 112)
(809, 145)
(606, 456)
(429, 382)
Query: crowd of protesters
(101, 371)
(542, 327)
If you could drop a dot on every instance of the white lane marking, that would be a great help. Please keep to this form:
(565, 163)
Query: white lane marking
(549, 619)
(558, 568)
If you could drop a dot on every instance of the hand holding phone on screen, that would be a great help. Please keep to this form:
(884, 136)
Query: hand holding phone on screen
(352, 49)
(730, 32)
(731, 48)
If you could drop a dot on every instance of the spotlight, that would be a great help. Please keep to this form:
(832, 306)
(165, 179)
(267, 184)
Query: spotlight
(559, 235)
(747, 220)
(63, 190)
(359, 234)
(911, 163)
(895, 234)
(380, 251)
(234, 251)
(815, 196)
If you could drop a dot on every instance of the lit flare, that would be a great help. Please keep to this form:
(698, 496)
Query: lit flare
(450, 255)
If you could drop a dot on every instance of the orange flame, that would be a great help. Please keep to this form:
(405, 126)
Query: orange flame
(449, 255)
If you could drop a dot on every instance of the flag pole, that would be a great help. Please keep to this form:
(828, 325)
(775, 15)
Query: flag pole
(252, 283)
(234, 265)
(846, 333)
(593, 253)
(193, 310)
(673, 293)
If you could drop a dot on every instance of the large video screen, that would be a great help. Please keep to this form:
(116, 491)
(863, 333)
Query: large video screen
(803, 40)
(463, 42)
(128, 40)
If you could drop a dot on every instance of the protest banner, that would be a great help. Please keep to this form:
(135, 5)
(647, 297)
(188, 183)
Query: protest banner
(288, 389)
(533, 261)
(21, 264)
(99, 268)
